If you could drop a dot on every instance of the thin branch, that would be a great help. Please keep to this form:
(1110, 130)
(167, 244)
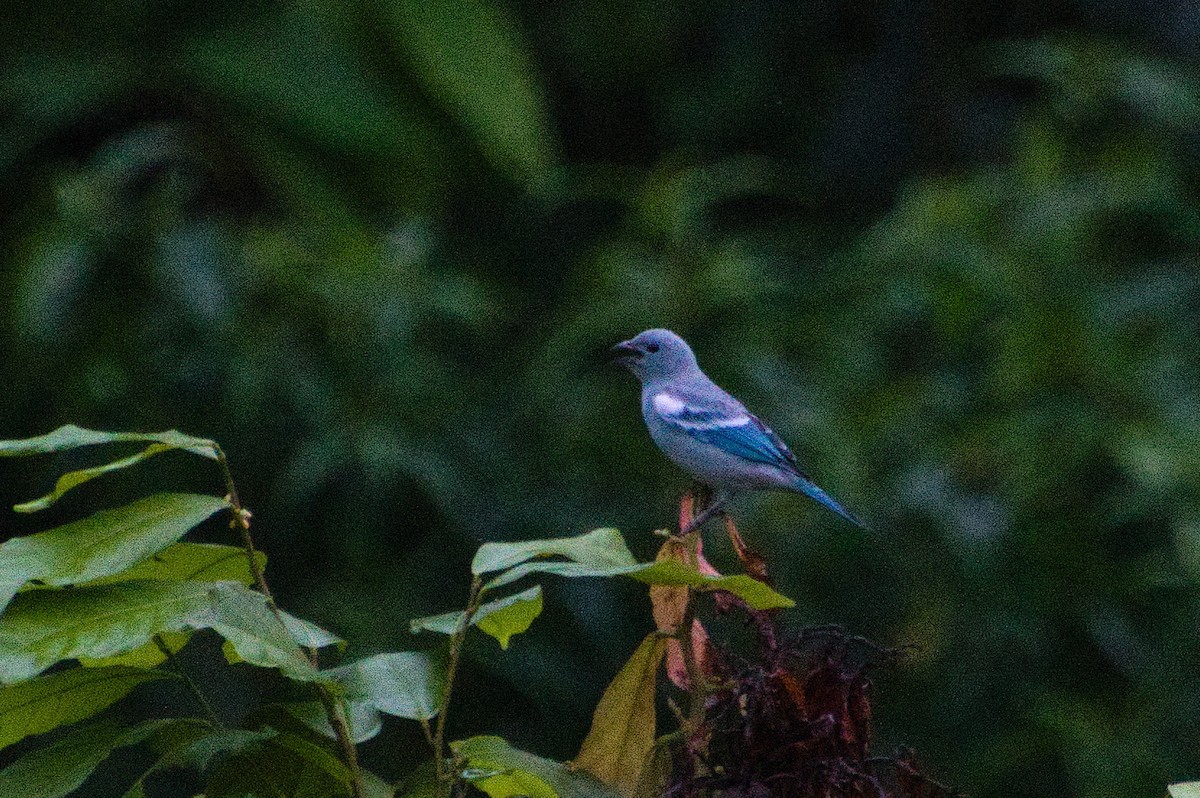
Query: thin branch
(698, 684)
(696, 681)
(335, 708)
(428, 730)
(456, 645)
(241, 522)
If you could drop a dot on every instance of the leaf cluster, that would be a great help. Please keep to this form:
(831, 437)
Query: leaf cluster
(92, 610)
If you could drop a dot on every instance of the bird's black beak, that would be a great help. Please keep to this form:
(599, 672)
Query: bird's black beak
(625, 353)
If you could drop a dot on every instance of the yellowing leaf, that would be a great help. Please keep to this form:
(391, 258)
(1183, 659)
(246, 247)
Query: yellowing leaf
(656, 776)
(509, 783)
(514, 616)
(621, 739)
(500, 770)
(669, 602)
(501, 618)
(755, 593)
(603, 553)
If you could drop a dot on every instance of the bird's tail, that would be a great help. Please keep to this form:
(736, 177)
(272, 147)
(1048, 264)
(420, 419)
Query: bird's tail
(809, 488)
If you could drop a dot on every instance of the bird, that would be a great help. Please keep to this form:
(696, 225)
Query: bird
(708, 432)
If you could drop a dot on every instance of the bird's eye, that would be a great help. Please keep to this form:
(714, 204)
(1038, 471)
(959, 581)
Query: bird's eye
(652, 348)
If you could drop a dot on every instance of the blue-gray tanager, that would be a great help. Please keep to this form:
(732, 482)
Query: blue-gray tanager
(706, 431)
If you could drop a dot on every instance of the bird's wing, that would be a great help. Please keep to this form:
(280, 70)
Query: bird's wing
(726, 424)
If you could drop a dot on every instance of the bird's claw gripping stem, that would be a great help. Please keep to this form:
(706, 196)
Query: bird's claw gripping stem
(717, 505)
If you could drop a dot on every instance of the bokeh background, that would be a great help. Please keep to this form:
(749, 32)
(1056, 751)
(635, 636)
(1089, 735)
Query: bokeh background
(377, 247)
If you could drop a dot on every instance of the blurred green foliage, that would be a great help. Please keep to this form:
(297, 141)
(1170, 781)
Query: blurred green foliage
(376, 248)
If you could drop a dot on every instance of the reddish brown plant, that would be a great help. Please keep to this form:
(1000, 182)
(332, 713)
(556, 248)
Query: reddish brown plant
(794, 719)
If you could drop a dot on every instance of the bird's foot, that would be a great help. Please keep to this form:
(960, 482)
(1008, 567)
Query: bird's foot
(717, 506)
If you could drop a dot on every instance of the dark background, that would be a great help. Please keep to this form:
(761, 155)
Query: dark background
(376, 248)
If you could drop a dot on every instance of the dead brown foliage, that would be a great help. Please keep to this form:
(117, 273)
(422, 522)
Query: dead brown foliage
(794, 720)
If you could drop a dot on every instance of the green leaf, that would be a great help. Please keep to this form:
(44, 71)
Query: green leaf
(406, 684)
(501, 618)
(145, 656)
(672, 572)
(603, 553)
(303, 633)
(138, 789)
(208, 562)
(47, 702)
(285, 765)
(1184, 789)
(200, 562)
(558, 568)
(8, 589)
(61, 767)
(194, 746)
(105, 543)
(421, 782)
(599, 549)
(70, 436)
(470, 56)
(365, 720)
(308, 634)
(42, 627)
(245, 619)
(231, 655)
(199, 751)
(314, 757)
(74, 479)
(502, 771)
(508, 782)
(375, 787)
(618, 746)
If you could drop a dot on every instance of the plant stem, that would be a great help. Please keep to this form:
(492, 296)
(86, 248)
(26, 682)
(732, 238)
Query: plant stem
(428, 730)
(335, 708)
(697, 684)
(241, 523)
(177, 666)
(456, 644)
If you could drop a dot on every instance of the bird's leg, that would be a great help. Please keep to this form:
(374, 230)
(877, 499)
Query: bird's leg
(715, 505)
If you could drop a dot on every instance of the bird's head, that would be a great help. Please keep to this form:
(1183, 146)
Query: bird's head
(654, 355)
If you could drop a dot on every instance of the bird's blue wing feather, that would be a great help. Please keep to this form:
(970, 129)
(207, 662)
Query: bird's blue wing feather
(748, 441)
(751, 440)
(732, 429)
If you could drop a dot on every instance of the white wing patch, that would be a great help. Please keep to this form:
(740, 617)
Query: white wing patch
(667, 405)
(734, 421)
(678, 412)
